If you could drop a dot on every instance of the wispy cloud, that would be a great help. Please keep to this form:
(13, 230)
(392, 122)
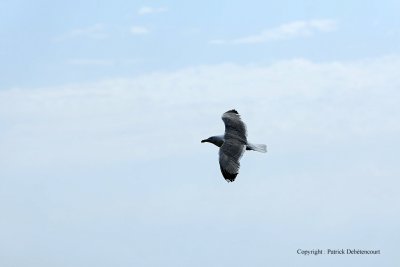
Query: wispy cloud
(96, 31)
(146, 10)
(285, 31)
(137, 30)
(300, 100)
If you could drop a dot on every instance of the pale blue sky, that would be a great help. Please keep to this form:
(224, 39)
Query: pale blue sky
(39, 46)
(103, 106)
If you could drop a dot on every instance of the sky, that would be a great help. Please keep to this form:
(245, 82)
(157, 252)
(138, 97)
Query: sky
(103, 106)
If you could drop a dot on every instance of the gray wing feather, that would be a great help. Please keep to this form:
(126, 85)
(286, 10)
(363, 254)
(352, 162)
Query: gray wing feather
(229, 155)
(234, 145)
(234, 126)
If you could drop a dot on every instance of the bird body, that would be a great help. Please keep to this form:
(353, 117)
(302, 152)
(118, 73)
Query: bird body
(218, 140)
(232, 144)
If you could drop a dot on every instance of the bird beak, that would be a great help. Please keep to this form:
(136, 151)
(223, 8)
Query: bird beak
(205, 140)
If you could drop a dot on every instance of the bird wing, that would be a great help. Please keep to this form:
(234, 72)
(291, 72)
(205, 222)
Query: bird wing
(234, 126)
(234, 145)
(229, 155)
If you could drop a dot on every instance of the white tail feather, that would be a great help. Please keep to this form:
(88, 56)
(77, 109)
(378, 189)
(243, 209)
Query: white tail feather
(257, 147)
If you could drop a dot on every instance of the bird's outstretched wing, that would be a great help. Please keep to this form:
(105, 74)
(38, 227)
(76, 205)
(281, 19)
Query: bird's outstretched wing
(234, 126)
(229, 155)
(234, 145)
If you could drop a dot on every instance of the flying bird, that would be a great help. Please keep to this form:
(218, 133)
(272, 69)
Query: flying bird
(232, 144)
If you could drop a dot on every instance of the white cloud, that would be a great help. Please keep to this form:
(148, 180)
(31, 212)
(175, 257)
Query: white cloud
(165, 114)
(145, 10)
(285, 31)
(96, 31)
(137, 30)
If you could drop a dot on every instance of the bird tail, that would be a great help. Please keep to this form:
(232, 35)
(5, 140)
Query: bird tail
(257, 147)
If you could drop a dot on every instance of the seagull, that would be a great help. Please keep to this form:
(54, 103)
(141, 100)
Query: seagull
(232, 144)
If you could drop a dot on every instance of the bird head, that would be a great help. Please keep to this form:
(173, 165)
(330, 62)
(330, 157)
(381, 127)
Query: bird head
(216, 140)
(207, 140)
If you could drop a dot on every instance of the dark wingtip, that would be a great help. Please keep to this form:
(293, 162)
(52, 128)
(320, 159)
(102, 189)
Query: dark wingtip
(229, 177)
(232, 111)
